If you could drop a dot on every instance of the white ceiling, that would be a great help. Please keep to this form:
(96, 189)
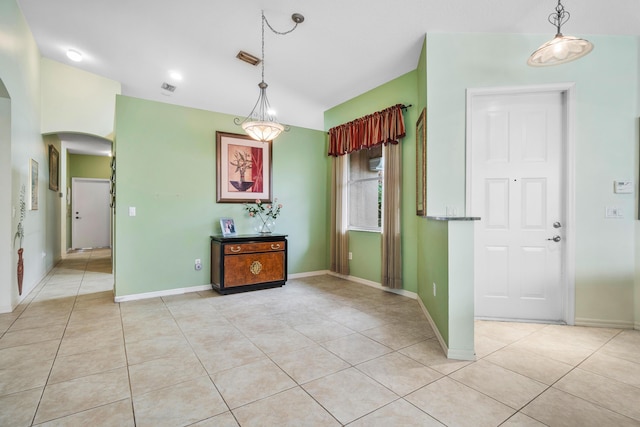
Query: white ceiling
(344, 47)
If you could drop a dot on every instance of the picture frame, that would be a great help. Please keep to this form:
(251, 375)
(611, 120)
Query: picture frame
(54, 168)
(244, 169)
(228, 227)
(421, 164)
(33, 185)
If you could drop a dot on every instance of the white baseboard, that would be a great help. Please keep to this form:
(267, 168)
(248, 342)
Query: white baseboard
(168, 292)
(599, 323)
(450, 353)
(307, 274)
(376, 285)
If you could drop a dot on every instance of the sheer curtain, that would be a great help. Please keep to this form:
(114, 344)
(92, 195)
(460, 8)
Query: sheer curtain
(383, 127)
(339, 242)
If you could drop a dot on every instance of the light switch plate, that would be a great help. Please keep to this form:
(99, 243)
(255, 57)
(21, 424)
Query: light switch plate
(622, 187)
(613, 212)
(132, 211)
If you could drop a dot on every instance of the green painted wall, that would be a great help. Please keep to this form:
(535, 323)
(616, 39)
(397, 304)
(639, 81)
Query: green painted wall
(606, 135)
(366, 246)
(434, 268)
(166, 168)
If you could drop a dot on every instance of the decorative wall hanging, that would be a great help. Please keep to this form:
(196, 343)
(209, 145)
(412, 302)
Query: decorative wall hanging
(33, 185)
(54, 168)
(421, 164)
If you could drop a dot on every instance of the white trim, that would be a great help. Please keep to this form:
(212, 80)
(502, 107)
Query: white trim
(568, 90)
(308, 274)
(599, 323)
(376, 285)
(165, 293)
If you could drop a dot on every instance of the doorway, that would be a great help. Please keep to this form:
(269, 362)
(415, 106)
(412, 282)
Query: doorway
(520, 182)
(90, 216)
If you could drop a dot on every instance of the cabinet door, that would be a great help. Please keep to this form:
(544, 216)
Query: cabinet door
(254, 268)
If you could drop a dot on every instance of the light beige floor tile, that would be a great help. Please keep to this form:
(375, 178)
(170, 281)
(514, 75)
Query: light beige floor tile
(309, 363)
(43, 350)
(179, 405)
(399, 373)
(603, 391)
(503, 385)
(251, 382)
(157, 348)
(24, 376)
(117, 414)
(84, 393)
(286, 339)
(559, 409)
(398, 413)
(95, 340)
(226, 419)
(522, 420)
(625, 345)
(291, 408)
(31, 322)
(356, 348)
(18, 409)
(30, 336)
(590, 338)
(92, 362)
(553, 347)
(612, 367)
(349, 394)
(531, 365)
(223, 355)
(430, 354)
(395, 336)
(323, 330)
(159, 373)
(453, 403)
(484, 345)
(507, 332)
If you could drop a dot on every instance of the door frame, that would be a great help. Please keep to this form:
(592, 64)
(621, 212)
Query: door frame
(567, 90)
(73, 231)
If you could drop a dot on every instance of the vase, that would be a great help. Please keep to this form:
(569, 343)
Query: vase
(20, 270)
(264, 226)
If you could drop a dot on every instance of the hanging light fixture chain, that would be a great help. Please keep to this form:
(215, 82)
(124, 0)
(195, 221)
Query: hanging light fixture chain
(559, 17)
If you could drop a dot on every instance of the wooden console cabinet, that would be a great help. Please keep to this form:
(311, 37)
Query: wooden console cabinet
(248, 262)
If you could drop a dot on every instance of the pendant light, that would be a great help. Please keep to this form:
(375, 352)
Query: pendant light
(561, 48)
(261, 124)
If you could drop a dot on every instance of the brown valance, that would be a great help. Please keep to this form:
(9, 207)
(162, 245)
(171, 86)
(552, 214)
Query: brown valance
(383, 127)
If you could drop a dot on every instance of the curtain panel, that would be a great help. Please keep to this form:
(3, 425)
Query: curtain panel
(382, 127)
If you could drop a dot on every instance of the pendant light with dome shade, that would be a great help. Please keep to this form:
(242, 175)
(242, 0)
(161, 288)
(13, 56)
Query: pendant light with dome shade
(561, 49)
(261, 124)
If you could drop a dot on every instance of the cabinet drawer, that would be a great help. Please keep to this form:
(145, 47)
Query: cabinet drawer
(247, 248)
(254, 268)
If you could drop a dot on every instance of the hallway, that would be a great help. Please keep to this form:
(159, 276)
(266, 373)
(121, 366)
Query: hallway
(319, 351)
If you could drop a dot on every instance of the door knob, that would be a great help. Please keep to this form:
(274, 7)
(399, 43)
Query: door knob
(555, 238)
(557, 224)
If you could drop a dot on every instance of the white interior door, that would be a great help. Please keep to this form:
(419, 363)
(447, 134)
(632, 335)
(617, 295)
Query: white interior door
(90, 220)
(517, 154)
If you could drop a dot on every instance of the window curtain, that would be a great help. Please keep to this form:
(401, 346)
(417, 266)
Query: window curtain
(382, 127)
(391, 225)
(339, 241)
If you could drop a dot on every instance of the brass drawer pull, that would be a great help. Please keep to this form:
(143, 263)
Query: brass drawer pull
(275, 246)
(237, 248)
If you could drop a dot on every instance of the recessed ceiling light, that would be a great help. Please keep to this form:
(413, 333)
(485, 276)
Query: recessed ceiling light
(175, 75)
(74, 55)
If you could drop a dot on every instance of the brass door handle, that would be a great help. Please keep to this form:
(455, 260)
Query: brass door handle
(237, 249)
(276, 246)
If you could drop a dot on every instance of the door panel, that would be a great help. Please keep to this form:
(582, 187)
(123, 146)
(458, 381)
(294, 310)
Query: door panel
(91, 215)
(516, 153)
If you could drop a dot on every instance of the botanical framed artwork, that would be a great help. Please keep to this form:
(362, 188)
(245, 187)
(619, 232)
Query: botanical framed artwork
(243, 169)
(228, 227)
(54, 167)
(33, 185)
(421, 164)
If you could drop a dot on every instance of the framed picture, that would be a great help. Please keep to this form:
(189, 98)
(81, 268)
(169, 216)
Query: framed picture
(228, 227)
(33, 185)
(54, 166)
(243, 169)
(421, 164)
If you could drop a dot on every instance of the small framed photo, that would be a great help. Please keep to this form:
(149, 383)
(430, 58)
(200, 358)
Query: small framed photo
(228, 227)
(54, 165)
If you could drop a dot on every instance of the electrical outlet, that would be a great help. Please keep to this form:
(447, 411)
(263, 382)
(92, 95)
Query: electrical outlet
(434, 289)
(198, 264)
(350, 255)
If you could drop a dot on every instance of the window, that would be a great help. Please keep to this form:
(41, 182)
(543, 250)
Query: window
(365, 189)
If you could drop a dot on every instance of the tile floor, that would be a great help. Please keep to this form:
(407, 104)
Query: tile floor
(318, 352)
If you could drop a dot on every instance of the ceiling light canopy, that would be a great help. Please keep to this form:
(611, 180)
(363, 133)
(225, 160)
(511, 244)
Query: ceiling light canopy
(561, 48)
(261, 124)
(74, 55)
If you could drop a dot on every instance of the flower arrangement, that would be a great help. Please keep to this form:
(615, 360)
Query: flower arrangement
(261, 210)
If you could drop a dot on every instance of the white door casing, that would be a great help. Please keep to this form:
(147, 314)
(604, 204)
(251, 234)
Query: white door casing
(90, 215)
(520, 182)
